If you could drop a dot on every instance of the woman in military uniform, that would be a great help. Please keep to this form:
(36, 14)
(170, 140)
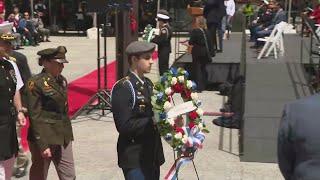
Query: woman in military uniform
(11, 109)
(139, 147)
(163, 40)
(50, 133)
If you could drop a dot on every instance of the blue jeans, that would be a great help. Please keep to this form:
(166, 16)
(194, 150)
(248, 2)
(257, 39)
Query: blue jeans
(148, 173)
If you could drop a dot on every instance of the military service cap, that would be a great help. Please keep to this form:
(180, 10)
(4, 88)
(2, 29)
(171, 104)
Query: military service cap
(55, 54)
(139, 47)
(6, 37)
(163, 14)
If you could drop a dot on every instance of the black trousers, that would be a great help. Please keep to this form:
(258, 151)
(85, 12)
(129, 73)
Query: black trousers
(213, 28)
(199, 72)
(164, 55)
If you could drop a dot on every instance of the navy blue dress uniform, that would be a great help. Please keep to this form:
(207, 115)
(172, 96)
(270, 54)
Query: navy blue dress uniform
(163, 40)
(8, 140)
(139, 144)
(10, 82)
(298, 140)
(50, 126)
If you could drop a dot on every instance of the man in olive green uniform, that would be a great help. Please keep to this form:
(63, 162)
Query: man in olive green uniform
(50, 134)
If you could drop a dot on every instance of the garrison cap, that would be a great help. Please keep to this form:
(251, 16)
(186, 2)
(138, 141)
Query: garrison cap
(56, 54)
(163, 14)
(139, 47)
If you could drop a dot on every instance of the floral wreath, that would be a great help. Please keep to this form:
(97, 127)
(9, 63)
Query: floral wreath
(148, 33)
(185, 136)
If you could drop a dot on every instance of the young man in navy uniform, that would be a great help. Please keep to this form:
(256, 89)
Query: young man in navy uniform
(163, 40)
(139, 146)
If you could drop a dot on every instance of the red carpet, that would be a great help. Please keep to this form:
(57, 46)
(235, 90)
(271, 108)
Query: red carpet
(80, 91)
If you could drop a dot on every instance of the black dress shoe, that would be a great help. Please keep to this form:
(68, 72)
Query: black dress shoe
(227, 122)
(21, 171)
(219, 51)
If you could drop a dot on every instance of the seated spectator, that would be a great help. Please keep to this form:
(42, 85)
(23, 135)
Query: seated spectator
(315, 15)
(26, 27)
(44, 33)
(279, 17)
(16, 43)
(17, 14)
(260, 23)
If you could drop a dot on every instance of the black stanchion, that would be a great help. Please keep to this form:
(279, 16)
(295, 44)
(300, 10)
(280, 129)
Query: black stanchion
(101, 100)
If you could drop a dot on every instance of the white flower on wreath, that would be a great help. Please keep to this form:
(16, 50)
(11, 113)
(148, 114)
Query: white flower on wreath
(174, 81)
(199, 112)
(189, 84)
(185, 139)
(181, 79)
(168, 91)
(178, 135)
(194, 96)
(167, 106)
(171, 121)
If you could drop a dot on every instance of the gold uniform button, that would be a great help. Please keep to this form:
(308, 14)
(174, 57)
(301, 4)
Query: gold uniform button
(2, 67)
(7, 78)
(10, 101)
(132, 140)
(9, 89)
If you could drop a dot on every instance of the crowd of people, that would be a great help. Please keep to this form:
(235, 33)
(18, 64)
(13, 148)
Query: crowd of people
(28, 29)
(269, 16)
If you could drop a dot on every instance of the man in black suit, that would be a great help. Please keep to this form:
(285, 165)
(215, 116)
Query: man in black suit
(214, 10)
(298, 140)
(139, 146)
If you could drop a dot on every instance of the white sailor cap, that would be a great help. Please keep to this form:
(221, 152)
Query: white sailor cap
(163, 14)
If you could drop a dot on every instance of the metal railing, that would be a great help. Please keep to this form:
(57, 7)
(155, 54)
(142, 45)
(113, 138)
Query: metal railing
(243, 67)
(312, 47)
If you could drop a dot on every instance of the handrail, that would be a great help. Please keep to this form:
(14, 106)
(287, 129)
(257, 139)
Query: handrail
(243, 67)
(314, 36)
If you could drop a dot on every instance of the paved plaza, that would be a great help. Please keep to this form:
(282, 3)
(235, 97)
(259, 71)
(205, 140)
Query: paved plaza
(95, 135)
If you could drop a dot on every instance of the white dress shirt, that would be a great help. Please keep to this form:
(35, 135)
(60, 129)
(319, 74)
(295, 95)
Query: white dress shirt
(230, 7)
(18, 76)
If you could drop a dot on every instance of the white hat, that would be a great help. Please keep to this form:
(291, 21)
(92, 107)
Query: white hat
(163, 14)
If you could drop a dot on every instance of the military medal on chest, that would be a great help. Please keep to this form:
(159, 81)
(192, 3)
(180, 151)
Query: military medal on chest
(141, 98)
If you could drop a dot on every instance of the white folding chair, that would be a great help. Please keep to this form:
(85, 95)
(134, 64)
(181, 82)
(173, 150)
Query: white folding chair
(274, 41)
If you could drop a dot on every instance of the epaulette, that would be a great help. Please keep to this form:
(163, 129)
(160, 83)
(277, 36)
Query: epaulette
(125, 81)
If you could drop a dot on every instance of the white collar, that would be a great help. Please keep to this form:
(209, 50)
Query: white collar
(142, 82)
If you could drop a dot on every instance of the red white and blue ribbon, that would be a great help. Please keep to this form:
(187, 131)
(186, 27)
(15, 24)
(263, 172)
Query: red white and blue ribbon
(173, 172)
(195, 140)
